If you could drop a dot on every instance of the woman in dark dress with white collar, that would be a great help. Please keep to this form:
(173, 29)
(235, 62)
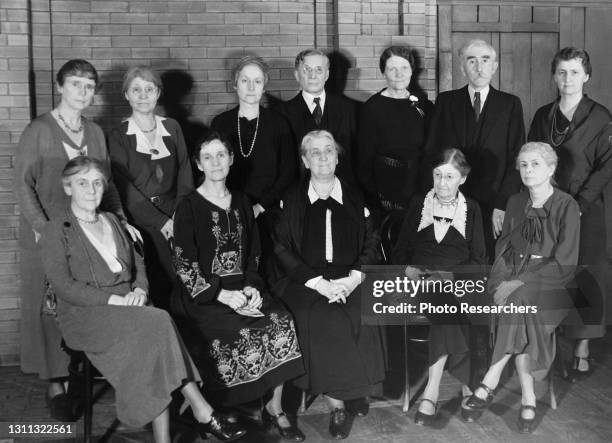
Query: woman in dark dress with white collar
(151, 165)
(324, 235)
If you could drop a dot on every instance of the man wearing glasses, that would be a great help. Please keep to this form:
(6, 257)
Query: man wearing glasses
(313, 108)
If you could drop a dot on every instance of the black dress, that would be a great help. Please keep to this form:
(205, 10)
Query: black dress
(239, 357)
(392, 135)
(584, 172)
(343, 358)
(454, 251)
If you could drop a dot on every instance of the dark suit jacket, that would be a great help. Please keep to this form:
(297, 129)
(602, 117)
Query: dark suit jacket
(491, 146)
(339, 118)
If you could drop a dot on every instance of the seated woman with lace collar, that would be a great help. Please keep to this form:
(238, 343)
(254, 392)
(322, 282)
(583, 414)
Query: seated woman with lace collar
(442, 233)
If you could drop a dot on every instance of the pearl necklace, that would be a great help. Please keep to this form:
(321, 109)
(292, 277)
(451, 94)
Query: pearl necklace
(248, 154)
(74, 131)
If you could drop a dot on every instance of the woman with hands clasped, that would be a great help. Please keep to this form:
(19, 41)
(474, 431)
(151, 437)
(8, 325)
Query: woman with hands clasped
(241, 339)
(323, 237)
(102, 310)
(442, 234)
(536, 257)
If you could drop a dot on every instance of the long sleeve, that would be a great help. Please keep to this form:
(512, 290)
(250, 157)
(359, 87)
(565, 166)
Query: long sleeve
(515, 138)
(202, 288)
(54, 253)
(369, 254)
(599, 157)
(251, 267)
(141, 209)
(286, 251)
(184, 179)
(29, 162)
(286, 162)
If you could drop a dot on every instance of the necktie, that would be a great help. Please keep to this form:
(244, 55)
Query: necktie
(476, 105)
(318, 112)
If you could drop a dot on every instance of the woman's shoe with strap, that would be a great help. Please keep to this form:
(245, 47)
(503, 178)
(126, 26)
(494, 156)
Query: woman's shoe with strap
(290, 433)
(424, 419)
(475, 402)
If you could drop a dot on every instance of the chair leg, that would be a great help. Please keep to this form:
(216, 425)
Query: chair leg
(303, 403)
(406, 394)
(87, 413)
(551, 390)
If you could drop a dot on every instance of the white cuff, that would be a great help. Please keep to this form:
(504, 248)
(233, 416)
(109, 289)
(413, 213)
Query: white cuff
(313, 282)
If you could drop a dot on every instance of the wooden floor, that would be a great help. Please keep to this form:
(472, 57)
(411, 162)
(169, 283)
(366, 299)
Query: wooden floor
(584, 413)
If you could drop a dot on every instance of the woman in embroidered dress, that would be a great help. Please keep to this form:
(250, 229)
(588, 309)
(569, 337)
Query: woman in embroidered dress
(46, 144)
(264, 160)
(324, 235)
(392, 131)
(242, 340)
(102, 296)
(535, 263)
(580, 131)
(442, 236)
(152, 170)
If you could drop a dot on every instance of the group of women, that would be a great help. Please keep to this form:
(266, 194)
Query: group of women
(262, 275)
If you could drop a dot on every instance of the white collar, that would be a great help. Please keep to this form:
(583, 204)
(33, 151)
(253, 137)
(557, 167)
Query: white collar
(309, 99)
(459, 220)
(336, 192)
(484, 93)
(142, 142)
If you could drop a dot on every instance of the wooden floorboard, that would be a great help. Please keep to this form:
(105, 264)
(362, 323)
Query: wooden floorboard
(584, 414)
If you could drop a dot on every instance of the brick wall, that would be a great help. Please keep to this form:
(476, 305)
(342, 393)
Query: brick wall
(200, 38)
(14, 116)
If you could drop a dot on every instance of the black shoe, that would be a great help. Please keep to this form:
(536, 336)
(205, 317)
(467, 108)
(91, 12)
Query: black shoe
(359, 406)
(221, 428)
(60, 407)
(526, 425)
(423, 419)
(339, 423)
(576, 374)
(475, 402)
(291, 433)
(468, 414)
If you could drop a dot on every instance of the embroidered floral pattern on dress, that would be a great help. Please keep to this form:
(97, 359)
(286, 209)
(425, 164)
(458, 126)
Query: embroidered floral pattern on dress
(227, 262)
(189, 273)
(255, 352)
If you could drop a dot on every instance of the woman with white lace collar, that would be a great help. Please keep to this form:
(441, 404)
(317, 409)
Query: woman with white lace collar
(152, 169)
(442, 237)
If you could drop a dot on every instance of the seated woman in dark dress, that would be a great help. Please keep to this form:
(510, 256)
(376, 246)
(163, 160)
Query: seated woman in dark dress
(325, 233)
(101, 288)
(241, 339)
(443, 232)
(536, 257)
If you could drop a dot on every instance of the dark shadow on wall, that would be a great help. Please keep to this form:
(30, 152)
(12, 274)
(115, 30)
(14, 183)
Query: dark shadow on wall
(177, 86)
(339, 65)
(415, 87)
